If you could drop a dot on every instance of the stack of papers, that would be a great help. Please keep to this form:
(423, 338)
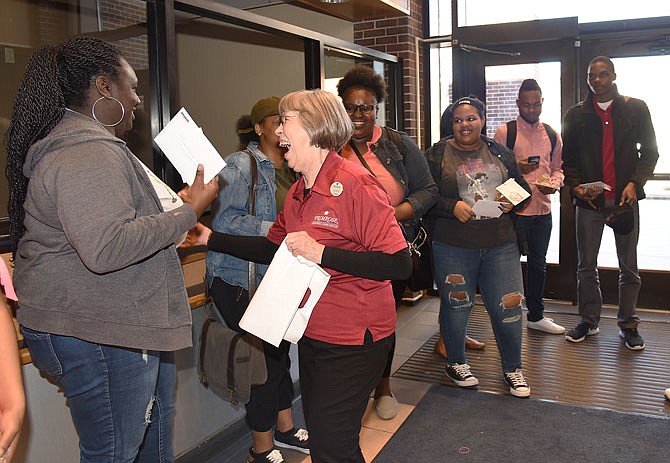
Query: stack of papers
(596, 187)
(544, 180)
(186, 146)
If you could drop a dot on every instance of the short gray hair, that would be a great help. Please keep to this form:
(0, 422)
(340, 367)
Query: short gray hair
(322, 116)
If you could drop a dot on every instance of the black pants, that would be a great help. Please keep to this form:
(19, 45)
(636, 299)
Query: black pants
(276, 393)
(336, 382)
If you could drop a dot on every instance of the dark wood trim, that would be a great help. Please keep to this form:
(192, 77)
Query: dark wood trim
(215, 10)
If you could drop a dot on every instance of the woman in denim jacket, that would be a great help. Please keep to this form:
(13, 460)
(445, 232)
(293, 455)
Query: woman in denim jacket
(400, 167)
(228, 276)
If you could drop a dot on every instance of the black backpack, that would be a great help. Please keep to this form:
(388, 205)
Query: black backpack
(511, 136)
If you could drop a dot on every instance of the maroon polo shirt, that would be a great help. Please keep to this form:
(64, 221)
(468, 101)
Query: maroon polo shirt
(347, 208)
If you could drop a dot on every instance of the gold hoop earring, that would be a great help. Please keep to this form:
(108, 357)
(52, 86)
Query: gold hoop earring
(123, 111)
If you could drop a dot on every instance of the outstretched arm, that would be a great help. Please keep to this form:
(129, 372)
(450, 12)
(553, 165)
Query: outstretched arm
(12, 398)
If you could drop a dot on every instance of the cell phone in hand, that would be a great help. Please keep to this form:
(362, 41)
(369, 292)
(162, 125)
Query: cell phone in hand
(533, 159)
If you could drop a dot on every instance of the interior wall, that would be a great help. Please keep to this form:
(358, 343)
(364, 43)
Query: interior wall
(223, 71)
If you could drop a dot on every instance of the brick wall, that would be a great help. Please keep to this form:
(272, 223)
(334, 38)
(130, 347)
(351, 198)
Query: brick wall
(116, 14)
(501, 103)
(396, 36)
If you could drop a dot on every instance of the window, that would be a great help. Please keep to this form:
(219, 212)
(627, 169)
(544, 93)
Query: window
(480, 12)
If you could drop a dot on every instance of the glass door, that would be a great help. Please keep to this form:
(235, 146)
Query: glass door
(502, 89)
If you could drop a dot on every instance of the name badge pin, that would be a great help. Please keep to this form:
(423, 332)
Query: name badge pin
(336, 189)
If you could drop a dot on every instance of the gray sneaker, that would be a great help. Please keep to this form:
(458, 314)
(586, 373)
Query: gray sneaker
(632, 338)
(581, 331)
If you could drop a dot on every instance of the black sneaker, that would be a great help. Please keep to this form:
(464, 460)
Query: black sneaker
(271, 456)
(296, 439)
(517, 383)
(460, 374)
(633, 339)
(581, 331)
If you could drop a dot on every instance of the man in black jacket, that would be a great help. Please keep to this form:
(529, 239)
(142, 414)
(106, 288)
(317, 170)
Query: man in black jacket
(607, 139)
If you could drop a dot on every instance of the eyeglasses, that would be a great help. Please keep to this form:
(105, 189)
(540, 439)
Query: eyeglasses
(284, 117)
(363, 108)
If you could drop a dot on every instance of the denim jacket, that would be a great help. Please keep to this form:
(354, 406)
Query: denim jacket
(411, 172)
(230, 213)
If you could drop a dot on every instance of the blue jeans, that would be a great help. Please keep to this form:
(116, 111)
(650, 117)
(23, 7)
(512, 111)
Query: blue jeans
(537, 231)
(121, 400)
(590, 225)
(497, 272)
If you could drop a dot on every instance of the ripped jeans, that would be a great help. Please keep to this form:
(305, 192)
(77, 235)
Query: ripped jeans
(121, 400)
(497, 273)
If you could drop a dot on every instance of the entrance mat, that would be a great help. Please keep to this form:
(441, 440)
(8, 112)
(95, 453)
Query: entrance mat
(458, 425)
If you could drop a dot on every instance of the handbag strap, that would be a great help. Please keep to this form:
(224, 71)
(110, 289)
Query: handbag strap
(360, 157)
(230, 371)
(203, 343)
(253, 170)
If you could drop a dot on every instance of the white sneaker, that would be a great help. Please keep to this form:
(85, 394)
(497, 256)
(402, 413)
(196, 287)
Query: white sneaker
(667, 393)
(547, 325)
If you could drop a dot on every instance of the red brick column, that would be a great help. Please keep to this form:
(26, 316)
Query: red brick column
(397, 36)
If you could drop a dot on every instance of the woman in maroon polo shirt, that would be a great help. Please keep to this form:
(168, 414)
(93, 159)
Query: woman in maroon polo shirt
(338, 216)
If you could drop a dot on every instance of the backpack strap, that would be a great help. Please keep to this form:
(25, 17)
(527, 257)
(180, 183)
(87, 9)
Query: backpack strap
(553, 138)
(511, 134)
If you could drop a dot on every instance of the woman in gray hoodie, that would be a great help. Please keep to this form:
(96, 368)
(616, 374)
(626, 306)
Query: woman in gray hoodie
(103, 299)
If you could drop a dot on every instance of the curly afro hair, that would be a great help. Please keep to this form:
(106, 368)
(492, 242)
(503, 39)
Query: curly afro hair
(363, 77)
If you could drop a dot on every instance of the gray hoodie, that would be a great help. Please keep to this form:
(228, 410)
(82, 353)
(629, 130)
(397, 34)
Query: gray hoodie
(97, 260)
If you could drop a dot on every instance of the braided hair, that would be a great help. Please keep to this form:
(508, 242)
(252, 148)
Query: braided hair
(363, 76)
(56, 77)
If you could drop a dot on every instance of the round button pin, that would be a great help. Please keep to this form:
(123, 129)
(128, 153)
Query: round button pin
(336, 189)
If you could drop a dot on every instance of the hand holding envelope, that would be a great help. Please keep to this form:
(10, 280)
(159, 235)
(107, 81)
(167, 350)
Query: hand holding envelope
(274, 312)
(186, 146)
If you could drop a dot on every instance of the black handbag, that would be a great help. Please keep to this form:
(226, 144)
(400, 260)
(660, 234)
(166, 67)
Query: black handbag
(422, 261)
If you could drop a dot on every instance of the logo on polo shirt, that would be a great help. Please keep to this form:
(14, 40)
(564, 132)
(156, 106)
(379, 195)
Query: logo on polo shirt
(326, 220)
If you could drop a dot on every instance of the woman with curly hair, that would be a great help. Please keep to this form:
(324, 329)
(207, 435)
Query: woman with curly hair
(102, 299)
(399, 165)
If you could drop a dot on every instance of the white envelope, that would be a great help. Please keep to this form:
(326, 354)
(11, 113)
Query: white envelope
(186, 146)
(273, 313)
(487, 208)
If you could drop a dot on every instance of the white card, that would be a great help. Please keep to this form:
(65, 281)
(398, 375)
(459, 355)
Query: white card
(512, 191)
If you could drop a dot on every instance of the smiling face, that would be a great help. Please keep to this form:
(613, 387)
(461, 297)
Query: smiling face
(124, 89)
(601, 79)
(467, 125)
(361, 106)
(295, 139)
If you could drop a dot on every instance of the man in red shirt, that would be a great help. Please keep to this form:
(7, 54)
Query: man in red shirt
(607, 138)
